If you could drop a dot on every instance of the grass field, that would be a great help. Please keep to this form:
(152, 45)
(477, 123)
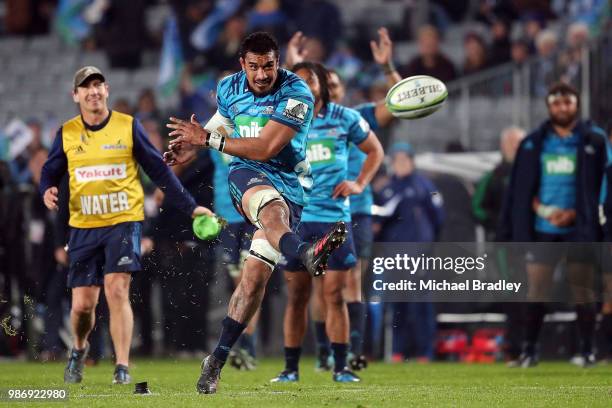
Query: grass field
(440, 384)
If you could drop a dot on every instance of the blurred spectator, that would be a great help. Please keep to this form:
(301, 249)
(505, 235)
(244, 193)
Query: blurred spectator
(224, 54)
(544, 68)
(20, 170)
(475, 51)
(591, 12)
(207, 31)
(430, 60)
(488, 197)
(147, 106)
(410, 211)
(519, 51)
(195, 100)
(30, 17)
(491, 10)
(315, 49)
(546, 43)
(123, 105)
(317, 18)
(549, 203)
(539, 9)
(122, 33)
(267, 15)
(407, 190)
(188, 15)
(532, 26)
(499, 51)
(571, 58)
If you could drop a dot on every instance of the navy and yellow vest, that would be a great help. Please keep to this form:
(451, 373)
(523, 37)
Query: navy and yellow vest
(104, 185)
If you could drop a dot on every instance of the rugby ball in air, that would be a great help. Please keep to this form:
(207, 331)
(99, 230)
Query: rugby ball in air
(416, 97)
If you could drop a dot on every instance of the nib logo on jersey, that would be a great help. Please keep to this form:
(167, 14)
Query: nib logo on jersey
(320, 152)
(250, 126)
(559, 164)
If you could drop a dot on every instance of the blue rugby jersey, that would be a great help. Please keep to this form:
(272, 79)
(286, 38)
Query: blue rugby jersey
(290, 103)
(331, 132)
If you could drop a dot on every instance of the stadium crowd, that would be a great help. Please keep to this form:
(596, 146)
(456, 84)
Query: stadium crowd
(186, 271)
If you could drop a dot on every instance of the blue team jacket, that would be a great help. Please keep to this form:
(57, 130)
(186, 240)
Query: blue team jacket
(518, 218)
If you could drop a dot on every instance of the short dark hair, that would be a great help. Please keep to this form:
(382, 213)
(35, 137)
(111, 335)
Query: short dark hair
(562, 88)
(259, 42)
(322, 75)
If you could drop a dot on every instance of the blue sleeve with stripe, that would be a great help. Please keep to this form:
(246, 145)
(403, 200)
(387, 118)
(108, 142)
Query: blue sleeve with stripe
(55, 166)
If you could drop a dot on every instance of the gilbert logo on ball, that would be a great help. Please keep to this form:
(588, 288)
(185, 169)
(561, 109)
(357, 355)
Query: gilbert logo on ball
(416, 97)
(207, 227)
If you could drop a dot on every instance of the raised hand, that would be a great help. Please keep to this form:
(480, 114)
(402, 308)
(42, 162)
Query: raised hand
(295, 50)
(383, 50)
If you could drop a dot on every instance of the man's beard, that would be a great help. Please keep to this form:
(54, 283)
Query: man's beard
(565, 121)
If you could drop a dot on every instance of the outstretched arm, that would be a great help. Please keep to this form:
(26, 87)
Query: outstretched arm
(272, 138)
(383, 55)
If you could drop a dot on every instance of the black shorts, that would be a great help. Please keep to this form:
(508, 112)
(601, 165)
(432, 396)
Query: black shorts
(94, 252)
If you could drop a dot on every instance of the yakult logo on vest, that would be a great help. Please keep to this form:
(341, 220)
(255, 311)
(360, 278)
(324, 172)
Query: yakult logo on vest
(101, 172)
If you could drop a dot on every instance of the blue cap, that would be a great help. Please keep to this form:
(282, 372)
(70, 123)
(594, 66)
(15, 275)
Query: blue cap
(401, 147)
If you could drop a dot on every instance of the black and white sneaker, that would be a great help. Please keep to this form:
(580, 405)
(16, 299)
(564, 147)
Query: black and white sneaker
(315, 257)
(73, 373)
(121, 375)
(209, 378)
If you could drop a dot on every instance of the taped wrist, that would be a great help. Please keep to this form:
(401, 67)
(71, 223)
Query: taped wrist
(215, 141)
